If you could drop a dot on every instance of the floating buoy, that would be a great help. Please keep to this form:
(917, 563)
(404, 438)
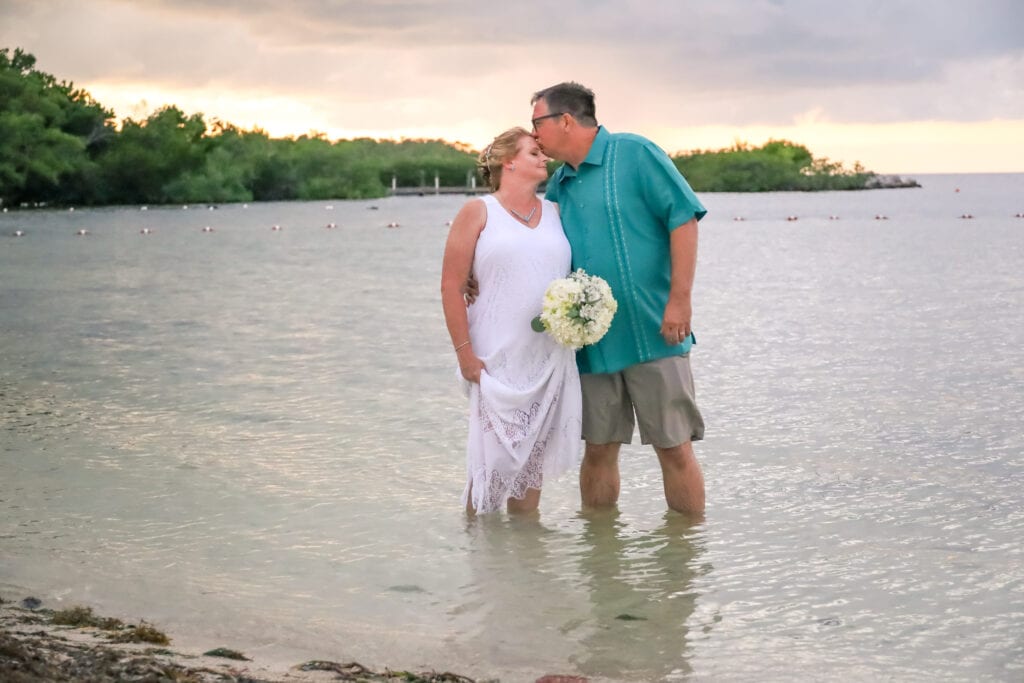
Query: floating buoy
(966, 215)
(329, 207)
(143, 208)
(448, 223)
(71, 209)
(19, 233)
(82, 232)
(331, 226)
(833, 217)
(145, 231)
(791, 218)
(207, 229)
(392, 224)
(185, 207)
(1016, 215)
(372, 208)
(245, 206)
(738, 218)
(275, 228)
(881, 217)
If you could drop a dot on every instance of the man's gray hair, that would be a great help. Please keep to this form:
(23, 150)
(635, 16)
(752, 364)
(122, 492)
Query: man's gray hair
(569, 98)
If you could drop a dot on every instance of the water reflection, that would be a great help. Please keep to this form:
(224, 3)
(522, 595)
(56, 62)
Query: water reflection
(641, 596)
(599, 599)
(523, 601)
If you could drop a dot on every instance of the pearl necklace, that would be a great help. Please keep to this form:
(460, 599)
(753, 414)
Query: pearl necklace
(527, 218)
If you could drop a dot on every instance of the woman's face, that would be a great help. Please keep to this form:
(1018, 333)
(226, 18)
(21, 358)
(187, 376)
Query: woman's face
(529, 158)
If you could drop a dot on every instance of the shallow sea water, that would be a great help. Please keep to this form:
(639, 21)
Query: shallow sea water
(254, 439)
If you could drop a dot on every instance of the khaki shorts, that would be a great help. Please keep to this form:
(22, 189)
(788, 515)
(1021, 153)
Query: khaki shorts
(659, 392)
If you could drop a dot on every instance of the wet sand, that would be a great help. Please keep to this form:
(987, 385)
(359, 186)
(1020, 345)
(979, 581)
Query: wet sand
(38, 644)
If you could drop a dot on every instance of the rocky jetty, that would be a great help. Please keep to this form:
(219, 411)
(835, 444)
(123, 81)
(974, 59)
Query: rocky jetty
(883, 182)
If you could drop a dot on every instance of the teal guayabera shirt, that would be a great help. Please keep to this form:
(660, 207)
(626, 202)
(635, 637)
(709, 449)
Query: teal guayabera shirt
(618, 209)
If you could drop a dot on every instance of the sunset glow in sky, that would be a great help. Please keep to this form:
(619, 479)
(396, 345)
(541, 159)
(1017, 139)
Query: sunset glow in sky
(902, 86)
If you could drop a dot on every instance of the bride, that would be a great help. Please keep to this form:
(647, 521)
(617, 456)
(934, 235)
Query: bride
(524, 390)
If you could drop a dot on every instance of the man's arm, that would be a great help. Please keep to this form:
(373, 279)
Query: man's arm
(676, 322)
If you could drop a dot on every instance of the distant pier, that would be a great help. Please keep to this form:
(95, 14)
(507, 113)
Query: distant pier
(430, 189)
(423, 189)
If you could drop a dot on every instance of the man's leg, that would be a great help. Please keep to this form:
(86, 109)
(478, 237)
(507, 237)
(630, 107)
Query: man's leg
(666, 409)
(599, 475)
(684, 481)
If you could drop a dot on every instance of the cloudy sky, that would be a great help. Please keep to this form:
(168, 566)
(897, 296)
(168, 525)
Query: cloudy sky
(902, 86)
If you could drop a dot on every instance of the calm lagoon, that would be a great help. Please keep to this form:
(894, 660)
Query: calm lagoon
(253, 438)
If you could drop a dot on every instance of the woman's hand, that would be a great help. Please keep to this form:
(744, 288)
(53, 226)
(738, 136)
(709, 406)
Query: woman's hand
(470, 365)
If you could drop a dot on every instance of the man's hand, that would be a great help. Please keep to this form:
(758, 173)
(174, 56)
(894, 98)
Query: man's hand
(675, 324)
(470, 290)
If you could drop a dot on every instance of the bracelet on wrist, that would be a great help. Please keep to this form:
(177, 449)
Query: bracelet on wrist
(462, 344)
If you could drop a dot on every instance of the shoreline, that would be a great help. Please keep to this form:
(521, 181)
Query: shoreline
(39, 644)
(35, 647)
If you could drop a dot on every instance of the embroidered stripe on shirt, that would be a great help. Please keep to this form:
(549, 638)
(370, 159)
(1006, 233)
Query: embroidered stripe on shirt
(615, 222)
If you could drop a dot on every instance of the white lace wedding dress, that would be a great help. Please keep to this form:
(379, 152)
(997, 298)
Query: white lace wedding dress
(525, 415)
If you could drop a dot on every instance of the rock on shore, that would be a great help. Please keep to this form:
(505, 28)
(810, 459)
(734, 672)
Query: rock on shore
(884, 182)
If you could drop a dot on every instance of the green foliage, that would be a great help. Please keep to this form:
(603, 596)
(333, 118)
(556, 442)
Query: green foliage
(416, 163)
(148, 159)
(48, 131)
(777, 165)
(58, 145)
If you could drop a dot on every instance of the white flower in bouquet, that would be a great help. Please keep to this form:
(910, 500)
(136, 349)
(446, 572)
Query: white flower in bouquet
(577, 310)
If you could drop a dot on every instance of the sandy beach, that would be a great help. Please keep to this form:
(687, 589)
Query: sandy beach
(39, 644)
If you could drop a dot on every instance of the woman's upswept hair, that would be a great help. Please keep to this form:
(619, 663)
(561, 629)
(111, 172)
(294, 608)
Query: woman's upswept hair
(570, 98)
(501, 149)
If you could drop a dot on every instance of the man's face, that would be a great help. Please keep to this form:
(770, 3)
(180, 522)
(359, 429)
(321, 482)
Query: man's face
(548, 130)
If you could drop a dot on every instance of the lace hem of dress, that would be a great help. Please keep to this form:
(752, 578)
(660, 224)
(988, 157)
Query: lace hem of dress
(490, 490)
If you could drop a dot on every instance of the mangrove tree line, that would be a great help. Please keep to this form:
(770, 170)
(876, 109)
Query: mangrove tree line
(59, 146)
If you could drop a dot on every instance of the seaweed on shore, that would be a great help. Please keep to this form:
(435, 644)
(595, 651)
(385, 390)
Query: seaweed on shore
(38, 659)
(80, 617)
(354, 671)
(83, 616)
(143, 633)
(226, 654)
(32, 653)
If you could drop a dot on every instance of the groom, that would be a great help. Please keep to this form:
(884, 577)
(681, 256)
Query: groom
(631, 218)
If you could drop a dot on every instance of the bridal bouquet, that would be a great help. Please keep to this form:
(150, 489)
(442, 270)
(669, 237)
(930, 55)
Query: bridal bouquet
(577, 310)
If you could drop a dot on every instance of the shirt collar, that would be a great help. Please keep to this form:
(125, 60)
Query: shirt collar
(595, 157)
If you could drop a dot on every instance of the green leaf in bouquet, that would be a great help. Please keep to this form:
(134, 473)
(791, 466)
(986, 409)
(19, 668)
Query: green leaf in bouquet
(537, 324)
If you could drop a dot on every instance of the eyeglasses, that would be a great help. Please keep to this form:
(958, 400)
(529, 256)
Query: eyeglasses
(541, 118)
